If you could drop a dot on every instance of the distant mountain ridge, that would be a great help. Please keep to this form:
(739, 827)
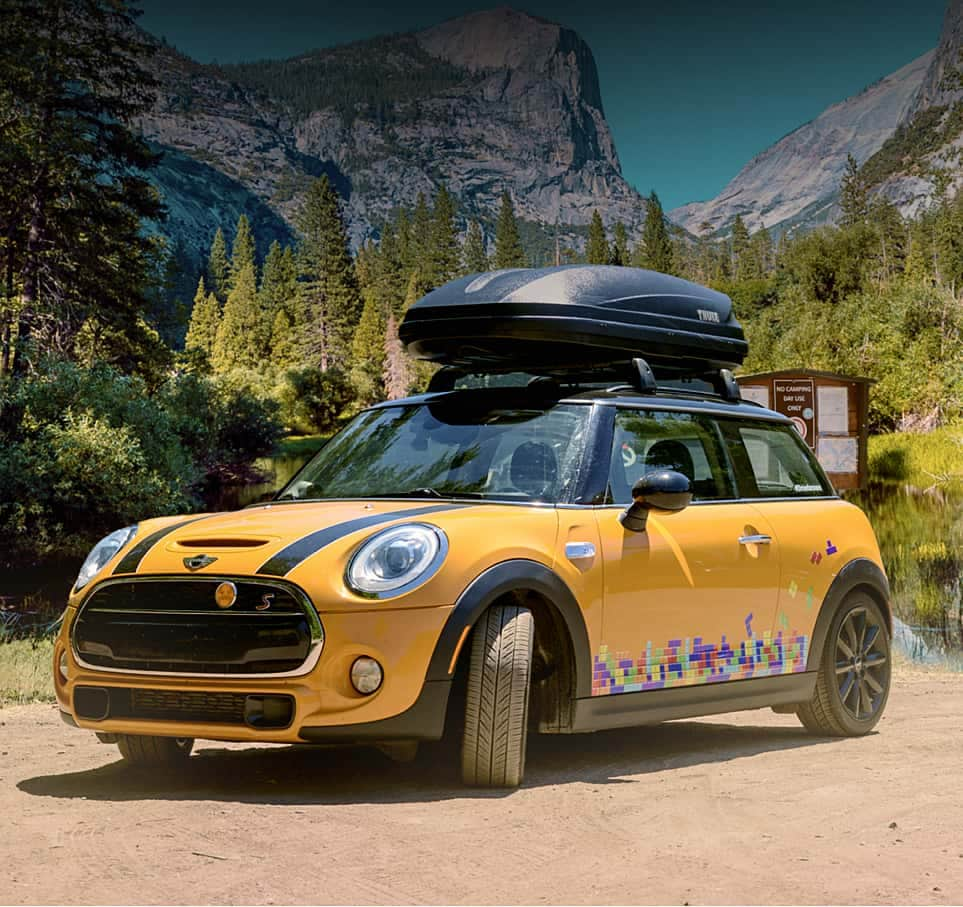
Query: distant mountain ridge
(796, 181)
(491, 101)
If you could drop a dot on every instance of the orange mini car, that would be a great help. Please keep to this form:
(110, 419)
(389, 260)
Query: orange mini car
(596, 540)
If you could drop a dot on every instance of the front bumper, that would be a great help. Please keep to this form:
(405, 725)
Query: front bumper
(324, 705)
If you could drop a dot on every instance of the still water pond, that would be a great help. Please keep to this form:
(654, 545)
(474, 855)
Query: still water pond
(920, 534)
(921, 537)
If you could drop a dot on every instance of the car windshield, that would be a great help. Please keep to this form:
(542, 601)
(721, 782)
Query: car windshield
(450, 449)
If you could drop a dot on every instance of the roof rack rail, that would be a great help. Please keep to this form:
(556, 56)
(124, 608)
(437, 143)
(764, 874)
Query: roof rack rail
(636, 375)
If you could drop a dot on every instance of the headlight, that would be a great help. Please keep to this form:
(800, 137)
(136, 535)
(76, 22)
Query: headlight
(396, 560)
(102, 552)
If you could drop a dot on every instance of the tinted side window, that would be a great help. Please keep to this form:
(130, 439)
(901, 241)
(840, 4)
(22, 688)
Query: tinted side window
(781, 464)
(688, 443)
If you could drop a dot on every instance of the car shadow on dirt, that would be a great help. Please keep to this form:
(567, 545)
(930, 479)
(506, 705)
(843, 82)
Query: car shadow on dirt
(333, 775)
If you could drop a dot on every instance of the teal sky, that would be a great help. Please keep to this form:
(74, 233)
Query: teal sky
(692, 90)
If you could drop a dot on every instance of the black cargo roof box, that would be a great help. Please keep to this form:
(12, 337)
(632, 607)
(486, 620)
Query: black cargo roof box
(573, 317)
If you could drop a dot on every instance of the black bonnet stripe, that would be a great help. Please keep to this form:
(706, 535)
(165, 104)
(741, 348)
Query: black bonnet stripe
(131, 560)
(290, 557)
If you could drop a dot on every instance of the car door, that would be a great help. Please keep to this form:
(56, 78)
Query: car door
(692, 599)
(815, 530)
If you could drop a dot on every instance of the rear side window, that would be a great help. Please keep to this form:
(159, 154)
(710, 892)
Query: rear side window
(780, 463)
(646, 440)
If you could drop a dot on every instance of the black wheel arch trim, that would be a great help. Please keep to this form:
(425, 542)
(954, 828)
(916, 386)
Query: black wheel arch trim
(858, 573)
(517, 575)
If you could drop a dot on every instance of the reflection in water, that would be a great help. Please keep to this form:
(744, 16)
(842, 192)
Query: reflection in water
(278, 471)
(921, 538)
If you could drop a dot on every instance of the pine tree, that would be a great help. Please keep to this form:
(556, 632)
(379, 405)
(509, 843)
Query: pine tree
(74, 191)
(508, 244)
(218, 267)
(759, 256)
(330, 299)
(205, 319)
(419, 243)
(397, 369)
(284, 343)
(739, 244)
(620, 245)
(273, 290)
(474, 253)
(368, 349)
(242, 251)
(597, 248)
(853, 195)
(412, 293)
(655, 250)
(241, 340)
(444, 253)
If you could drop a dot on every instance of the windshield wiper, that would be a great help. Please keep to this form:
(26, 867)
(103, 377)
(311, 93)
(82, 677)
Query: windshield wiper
(428, 492)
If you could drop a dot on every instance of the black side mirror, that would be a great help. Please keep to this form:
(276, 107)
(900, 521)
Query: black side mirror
(662, 489)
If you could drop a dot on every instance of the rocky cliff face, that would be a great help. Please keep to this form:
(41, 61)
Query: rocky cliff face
(796, 181)
(925, 155)
(498, 100)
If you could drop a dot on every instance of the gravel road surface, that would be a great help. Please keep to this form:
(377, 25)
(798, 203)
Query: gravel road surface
(737, 808)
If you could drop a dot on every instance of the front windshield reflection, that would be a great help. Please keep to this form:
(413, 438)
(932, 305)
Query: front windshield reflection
(440, 450)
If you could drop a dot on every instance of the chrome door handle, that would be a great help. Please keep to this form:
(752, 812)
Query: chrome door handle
(754, 539)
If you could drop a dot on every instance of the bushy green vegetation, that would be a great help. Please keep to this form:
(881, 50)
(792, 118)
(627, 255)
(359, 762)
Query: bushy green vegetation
(929, 131)
(89, 449)
(921, 460)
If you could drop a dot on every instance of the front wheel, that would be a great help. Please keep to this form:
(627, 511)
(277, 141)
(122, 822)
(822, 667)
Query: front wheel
(853, 681)
(154, 752)
(496, 707)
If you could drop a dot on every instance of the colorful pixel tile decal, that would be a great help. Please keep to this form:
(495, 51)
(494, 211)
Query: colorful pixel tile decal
(830, 548)
(687, 662)
(816, 557)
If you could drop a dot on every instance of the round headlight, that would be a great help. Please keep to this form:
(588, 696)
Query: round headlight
(396, 560)
(101, 553)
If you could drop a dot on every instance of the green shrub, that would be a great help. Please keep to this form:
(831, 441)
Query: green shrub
(312, 401)
(87, 450)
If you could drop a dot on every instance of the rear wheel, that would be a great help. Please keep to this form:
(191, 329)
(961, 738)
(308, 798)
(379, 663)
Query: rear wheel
(852, 685)
(154, 752)
(496, 707)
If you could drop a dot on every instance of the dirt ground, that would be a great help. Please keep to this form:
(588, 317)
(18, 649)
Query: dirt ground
(738, 808)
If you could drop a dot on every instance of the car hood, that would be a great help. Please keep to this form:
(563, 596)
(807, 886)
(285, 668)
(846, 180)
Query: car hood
(310, 543)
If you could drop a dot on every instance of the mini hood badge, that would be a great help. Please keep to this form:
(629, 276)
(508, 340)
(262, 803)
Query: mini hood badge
(198, 561)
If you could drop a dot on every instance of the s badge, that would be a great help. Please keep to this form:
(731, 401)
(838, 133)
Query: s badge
(266, 601)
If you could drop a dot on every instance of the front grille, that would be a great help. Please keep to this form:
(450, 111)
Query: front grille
(256, 710)
(177, 705)
(176, 627)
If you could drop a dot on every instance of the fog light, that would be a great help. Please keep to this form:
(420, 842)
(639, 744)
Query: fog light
(366, 675)
(62, 666)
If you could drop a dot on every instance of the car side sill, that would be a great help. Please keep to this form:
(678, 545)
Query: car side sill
(599, 713)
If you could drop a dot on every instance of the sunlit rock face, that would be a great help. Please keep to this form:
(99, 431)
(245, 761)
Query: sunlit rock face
(796, 181)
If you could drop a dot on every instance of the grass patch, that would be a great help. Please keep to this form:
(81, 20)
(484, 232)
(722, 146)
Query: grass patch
(934, 458)
(26, 671)
(300, 445)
